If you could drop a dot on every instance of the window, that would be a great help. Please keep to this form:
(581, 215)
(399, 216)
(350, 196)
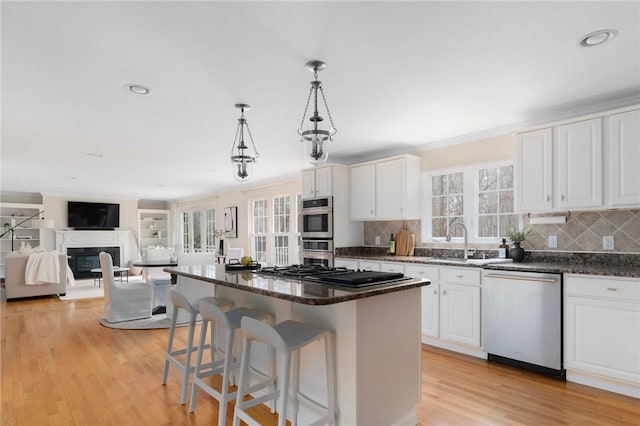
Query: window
(273, 233)
(495, 202)
(259, 231)
(198, 226)
(481, 198)
(447, 204)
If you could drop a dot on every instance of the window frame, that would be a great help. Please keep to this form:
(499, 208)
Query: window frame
(189, 245)
(471, 209)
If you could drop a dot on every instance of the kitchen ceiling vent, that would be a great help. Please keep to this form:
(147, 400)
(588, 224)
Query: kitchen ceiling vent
(316, 140)
(241, 161)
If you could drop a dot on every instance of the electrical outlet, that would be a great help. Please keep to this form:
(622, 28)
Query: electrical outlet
(607, 242)
(553, 241)
(377, 240)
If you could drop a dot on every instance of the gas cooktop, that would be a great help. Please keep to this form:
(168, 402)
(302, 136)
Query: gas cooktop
(336, 276)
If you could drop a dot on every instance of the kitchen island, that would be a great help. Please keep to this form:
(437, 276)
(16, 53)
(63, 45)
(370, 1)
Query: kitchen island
(377, 332)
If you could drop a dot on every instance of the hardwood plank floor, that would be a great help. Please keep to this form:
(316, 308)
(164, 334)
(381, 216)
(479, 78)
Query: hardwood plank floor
(60, 367)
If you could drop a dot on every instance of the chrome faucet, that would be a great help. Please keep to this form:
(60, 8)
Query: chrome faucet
(467, 251)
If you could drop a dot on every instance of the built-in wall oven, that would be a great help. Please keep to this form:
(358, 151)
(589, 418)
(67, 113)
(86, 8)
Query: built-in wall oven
(317, 252)
(316, 218)
(316, 232)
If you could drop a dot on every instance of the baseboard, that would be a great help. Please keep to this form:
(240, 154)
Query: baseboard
(454, 347)
(604, 383)
(409, 419)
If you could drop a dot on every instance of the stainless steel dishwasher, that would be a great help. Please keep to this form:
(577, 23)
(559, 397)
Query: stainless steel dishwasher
(522, 317)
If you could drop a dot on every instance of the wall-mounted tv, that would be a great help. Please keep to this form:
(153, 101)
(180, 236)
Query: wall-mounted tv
(81, 215)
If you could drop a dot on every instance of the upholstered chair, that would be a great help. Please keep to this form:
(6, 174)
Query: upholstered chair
(123, 301)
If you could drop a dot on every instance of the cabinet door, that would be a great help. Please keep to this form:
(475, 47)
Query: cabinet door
(624, 139)
(308, 184)
(363, 191)
(603, 337)
(391, 267)
(346, 263)
(460, 313)
(390, 189)
(533, 171)
(430, 310)
(324, 182)
(578, 151)
(369, 266)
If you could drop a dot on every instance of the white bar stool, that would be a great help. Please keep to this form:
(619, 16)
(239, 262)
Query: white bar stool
(180, 302)
(229, 322)
(287, 338)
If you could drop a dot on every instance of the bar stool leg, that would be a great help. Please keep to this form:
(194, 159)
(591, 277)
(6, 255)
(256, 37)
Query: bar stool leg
(172, 330)
(243, 381)
(199, 354)
(187, 363)
(295, 382)
(284, 388)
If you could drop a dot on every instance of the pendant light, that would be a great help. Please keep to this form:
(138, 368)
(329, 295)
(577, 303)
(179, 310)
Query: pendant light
(241, 161)
(316, 140)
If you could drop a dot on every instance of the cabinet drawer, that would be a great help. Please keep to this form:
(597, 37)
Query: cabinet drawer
(369, 266)
(418, 271)
(460, 275)
(391, 267)
(618, 288)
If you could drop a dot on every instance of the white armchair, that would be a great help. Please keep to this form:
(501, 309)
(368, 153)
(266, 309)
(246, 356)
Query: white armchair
(123, 301)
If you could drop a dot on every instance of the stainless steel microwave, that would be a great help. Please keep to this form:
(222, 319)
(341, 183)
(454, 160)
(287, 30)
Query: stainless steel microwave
(316, 218)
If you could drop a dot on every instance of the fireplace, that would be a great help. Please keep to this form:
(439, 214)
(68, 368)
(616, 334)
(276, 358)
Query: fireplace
(83, 259)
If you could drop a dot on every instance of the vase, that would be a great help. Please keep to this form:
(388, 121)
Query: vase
(516, 253)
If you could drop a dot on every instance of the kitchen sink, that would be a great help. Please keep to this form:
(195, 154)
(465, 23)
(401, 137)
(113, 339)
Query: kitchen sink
(488, 261)
(466, 261)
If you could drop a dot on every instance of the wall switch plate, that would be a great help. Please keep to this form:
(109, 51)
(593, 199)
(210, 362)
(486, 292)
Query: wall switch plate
(553, 241)
(607, 243)
(377, 240)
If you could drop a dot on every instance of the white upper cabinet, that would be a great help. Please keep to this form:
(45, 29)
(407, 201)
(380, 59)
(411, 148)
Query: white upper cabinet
(317, 182)
(533, 171)
(624, 164)
(363, 191)
(578, 151)
(386, 189)
(560, 168)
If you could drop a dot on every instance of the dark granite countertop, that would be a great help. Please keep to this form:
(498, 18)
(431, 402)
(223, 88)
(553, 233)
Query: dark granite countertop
(305, 292)
(561, 264)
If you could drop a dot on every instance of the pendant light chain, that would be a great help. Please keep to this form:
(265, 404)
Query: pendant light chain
(328, 112)
(306, 108)
(252, 144)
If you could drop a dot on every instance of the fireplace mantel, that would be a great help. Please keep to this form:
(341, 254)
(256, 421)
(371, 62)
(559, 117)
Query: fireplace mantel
(77, 239)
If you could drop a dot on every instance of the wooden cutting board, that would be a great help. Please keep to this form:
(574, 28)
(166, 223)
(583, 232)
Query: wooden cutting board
(412, 245)
(403, 239)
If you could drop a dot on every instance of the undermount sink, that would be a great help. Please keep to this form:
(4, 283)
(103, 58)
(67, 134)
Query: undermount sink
(488, 261)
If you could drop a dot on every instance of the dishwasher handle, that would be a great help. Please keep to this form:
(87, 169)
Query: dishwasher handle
(520, 278)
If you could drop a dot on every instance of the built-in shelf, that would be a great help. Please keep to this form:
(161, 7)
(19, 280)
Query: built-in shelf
(154, 228)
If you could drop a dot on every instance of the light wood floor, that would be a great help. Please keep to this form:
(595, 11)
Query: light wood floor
(60, 367)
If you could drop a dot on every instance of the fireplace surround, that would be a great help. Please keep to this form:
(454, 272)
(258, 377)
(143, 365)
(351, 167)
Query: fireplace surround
(83, 259)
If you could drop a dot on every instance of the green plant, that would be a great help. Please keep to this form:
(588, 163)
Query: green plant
(517, 236)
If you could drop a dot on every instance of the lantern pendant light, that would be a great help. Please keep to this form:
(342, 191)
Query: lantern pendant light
(316, 140)
(241, 161)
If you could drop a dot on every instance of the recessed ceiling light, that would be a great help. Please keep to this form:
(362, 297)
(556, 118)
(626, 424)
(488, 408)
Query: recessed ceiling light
(138, 89)
(598, 37)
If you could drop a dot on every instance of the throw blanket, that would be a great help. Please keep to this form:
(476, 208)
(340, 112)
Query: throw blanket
(42, 268)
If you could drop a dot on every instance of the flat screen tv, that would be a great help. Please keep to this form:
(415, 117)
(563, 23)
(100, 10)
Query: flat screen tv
(81, 215)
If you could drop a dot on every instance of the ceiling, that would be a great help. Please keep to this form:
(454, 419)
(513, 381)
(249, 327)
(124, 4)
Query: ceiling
(400, 77)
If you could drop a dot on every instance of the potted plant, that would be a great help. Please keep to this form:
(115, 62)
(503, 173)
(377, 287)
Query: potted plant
(517, 237)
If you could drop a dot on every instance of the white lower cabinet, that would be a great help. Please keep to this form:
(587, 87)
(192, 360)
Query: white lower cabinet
(451, 308)
(346, 263)
(602, 332)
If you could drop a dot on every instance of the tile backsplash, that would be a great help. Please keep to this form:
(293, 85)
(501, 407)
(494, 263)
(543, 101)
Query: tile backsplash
(582, 232)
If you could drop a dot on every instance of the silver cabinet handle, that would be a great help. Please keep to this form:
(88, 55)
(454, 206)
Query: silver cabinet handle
(459, 276)
(612, 289)
(444, 292)
(562, 197)
(547, 198)
(435, 291)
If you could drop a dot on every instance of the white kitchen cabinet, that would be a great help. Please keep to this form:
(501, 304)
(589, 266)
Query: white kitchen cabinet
(430, 298)
(154, 228)
(392, 267)
(317, 182)
(367, 265)
(623, 141)
(560, 168)
(386, 189)
(533, 171)
(346, 263)
(460, 305)
(362, 182)
(602, 332)
(578, 165)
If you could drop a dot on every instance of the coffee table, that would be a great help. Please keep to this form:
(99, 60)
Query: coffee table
(117, 271)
